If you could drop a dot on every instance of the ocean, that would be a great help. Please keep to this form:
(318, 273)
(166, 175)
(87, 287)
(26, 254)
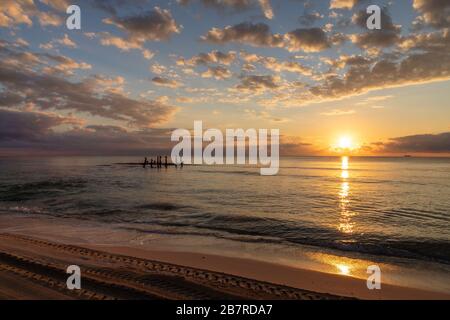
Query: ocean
(316, 211)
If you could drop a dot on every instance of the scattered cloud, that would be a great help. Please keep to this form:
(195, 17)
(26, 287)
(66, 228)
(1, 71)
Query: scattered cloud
(65, 41)
(344, 4)
(422, 143)
(258, 84)
(30, 125)
(258, 35)
(218, 73)
(31, 132)
(434, 12)
(417, 65)
(266, 8)
(26, 81)
(213, 57)
(235, 5)
(153, 25)
(307, 40)
(157, 68)
(165, 82)
(309, 18)
(388, 35)
(14, 13)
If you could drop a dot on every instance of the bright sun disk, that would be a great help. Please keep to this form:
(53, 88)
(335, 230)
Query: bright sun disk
(345, 142)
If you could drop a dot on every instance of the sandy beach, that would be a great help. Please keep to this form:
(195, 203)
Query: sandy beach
(31, 268)
(34, 267)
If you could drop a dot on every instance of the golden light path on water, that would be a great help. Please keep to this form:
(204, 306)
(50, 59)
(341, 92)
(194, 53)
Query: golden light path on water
(346, 225)
(337, 264)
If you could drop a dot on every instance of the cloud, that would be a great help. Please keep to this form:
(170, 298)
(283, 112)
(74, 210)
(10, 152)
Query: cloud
(24, 81)
(266, 8)
(258, 84)
(271, 63)
(14, 12)
(290, 66)
(60, 5)
(388, 35)
(147, 54)
(309, 18)
(344, 4)
(295, 146)
(218, 73)
(164, 82)
(109, 84)
(30, 125)
(265, 115)
(215, 56)
(49, 19)
(157, 68)
(422, 143)
(153, 25)
(248, 67)
(434, 12)
(123, 44)
(416, 65)
(65, 65)
(429, 42)
(114, 6)
(307, 40)
(235, 5)
(250, 57)
(258, 35)
(29, 132)
(64, 41)
(221, 4)
(412, 62)
(348, 61)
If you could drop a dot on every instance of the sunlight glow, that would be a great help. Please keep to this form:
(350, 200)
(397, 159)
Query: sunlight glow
(345, 142)
(343, 269)
(345, 145)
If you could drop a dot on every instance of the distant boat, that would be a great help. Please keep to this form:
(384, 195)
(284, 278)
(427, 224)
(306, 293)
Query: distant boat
(408, 156)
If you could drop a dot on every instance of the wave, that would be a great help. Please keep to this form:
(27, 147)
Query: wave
(161, 206)
(246, 228)
(33, 190)
(269, 230)
(234, 237)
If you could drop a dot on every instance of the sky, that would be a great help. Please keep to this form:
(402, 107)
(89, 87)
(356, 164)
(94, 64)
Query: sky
(136, 70)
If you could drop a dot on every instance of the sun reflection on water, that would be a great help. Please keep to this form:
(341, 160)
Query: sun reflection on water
(344, 163)
(343, 269)
(341, 265)
(346, 225)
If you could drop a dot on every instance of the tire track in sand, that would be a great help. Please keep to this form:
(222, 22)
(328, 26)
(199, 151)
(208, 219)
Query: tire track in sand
(141, 278)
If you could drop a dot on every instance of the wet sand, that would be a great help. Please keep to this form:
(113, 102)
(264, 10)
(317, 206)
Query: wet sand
(35, 253)
(32, 268)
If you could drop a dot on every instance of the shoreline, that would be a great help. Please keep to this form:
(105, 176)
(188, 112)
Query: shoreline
(83, 234)
(315, 281)
(37, 267)
(32, 268)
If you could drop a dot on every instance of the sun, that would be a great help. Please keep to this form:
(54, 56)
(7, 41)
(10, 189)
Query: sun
(345, 142)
